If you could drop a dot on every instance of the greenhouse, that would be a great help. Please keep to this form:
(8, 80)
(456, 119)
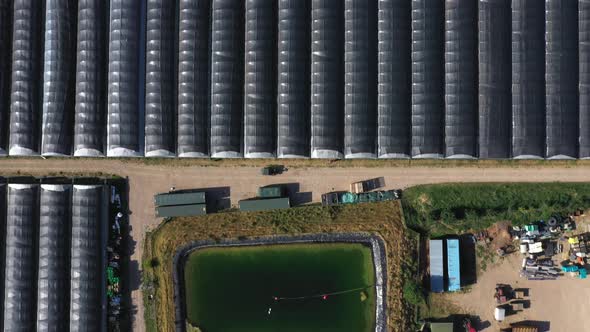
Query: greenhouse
(53, 264)
(493, 79)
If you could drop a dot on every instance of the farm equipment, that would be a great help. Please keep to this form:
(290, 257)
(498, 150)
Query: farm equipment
(503, 293)
(468, 326)
(335, 198)
(273, 170)
(367, 185)
(505, 250)
(499, 314)
(517, 306)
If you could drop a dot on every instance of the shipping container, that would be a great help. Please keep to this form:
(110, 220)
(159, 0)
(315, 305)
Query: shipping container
(179, 198)
(264, 204)
(181, 210)
(453, 265)
(436, 266)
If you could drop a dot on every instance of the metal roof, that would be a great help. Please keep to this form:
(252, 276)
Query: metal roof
(264, 204)
(181, 210)
(179, 198)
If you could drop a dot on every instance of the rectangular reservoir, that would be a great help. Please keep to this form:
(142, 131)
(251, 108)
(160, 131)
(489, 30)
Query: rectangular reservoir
(326, 287)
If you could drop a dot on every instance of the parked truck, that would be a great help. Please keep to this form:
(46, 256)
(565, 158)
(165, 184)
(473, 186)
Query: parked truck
(345, 197)
(367, 185)
(271, 191)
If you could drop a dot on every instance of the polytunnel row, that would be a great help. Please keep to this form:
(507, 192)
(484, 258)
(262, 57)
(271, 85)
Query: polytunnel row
(296, 78)
(53, 244)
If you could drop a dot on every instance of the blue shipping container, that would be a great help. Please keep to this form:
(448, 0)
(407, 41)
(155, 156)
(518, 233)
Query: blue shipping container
(453, 265)
(436, 266)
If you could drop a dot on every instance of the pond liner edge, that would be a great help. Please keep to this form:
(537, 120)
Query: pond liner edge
(374, 241)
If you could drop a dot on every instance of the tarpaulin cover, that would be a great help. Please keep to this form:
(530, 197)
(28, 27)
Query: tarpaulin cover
(528, 78)
(427, 78)
(394, 90)
(91, 61)
(2, 250)
(27, 83)
(159, 79)
(327, 79)
(461, 78)
(453, 265)
(53, 299)
(260, 102)
(360, 78)
(584, 70)
(294, 80)
(561, 78)
(193, 77)
(20, 281)
(495, 99)
(87, 293)
(227, 78)
(436, 257)
(5, 61)
(123, 83)
(59, 77)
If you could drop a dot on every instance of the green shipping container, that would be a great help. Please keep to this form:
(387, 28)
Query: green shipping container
(264, 204)
(179, 199)
(270, 191)
(181, 210)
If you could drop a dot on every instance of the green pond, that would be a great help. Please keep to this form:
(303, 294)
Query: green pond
(233, 289)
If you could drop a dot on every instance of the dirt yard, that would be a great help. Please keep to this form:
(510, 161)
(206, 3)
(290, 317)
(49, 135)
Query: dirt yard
(242, 182)
(560, 305)
(553, 305)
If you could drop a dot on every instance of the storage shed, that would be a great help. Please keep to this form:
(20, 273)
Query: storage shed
(453, 265)
(436, 266)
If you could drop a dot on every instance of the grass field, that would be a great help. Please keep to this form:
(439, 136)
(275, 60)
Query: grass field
(233, 288)
(455, 208)
(383, 219)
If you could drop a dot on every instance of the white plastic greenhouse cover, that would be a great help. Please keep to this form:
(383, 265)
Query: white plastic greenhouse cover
(123, 79)
(528, 79)
(59, 77)
(88, 290)
(427, 78)
(260, 96)
(20, 280)
(584, 75)
(327, 79)
(294, 54)
(227, 78)
(295, 78)
(460, 79)
(495, 103)
(53, 299)
(193, 78)
(2, 250)
(26, 92)
(561, 78)
(90, 108)
(360, 78)
(394, 67)
(159, 79)
(5, 75)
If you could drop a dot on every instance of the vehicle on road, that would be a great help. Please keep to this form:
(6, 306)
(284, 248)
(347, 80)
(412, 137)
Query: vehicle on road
(273, 170)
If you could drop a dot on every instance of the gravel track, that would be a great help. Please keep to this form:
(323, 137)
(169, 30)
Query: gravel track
(147, 180)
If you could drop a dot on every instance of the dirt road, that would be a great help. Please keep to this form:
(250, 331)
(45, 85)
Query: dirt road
(242, 182)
